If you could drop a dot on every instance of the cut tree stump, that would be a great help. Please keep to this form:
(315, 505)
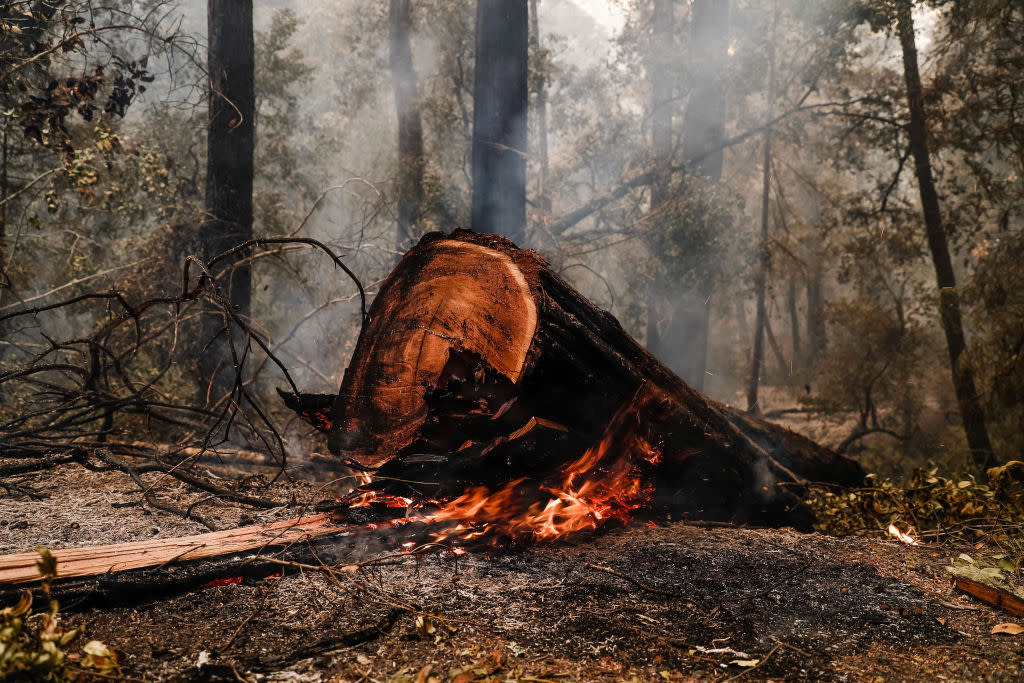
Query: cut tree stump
(478, 365)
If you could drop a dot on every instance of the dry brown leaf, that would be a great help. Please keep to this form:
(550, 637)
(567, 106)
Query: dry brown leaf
(1009, 629)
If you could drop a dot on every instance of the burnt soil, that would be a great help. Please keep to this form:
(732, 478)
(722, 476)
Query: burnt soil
(652, 601)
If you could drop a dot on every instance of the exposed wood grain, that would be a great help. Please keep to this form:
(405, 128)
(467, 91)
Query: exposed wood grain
(476, 348)
(117, 557)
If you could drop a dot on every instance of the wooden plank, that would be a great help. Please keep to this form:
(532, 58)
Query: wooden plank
(993, 596)
(102, 559)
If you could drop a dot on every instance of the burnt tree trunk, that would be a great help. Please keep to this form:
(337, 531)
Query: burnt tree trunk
(410, 124)
(231, 137)
(540, 88)
(480, 365)
(764, 245)
(499, 118)
(660, 76)
(703, 133)
(949, 304)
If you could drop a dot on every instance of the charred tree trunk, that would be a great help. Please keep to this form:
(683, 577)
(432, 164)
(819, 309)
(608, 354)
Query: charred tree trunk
(660, 76)
(794, 325)
(480, 366)
(816, 331)
(704, 125)
(949, 304)
(764, 253)
(703, 131)
(231, 137)
(4, 284)
(500, 94)
(410, 124)
(541, 110)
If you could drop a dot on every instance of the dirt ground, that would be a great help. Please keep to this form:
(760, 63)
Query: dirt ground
(651, 602)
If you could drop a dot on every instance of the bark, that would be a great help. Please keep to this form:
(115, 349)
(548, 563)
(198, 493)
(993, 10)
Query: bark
(816, 332)
(541, 112)
(660, 75)
(500, 94)
(229, 169)
(704, 125)
(4, 284)
(479, 365)
(703, 135)
(949, 304)
(761, 277)
(410, 125)
(794, 324)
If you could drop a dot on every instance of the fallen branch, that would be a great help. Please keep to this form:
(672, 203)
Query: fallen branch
(119, 557)
(997, 597)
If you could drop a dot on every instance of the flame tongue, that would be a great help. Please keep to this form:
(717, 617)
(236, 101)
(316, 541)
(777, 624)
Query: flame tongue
(606, 482)
(904, 537)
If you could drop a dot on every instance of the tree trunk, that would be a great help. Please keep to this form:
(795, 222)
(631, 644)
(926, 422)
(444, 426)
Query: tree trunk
(4, 282)
(410, 126)
(949, 304)
(543, 200)
(500, 95)
(703, 131)
(704, 125)
(794, 325)
(480, 366)
(817, 335)
(229, 171)
(761, 278)
(660, 76)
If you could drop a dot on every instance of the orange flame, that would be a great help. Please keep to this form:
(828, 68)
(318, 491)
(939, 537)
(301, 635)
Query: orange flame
(606, 482)
(904, 537)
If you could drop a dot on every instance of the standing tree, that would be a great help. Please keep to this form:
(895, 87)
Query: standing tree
(660, 75)
(764, 255)
(703, 133)
(500, 94)
(229, 171)
(949, 303)
(410, 124)
(540, 89)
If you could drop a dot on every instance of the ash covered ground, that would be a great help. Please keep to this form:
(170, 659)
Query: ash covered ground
(652, 601)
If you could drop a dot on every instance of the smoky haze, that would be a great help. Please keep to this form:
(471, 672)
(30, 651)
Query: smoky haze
(654, 195)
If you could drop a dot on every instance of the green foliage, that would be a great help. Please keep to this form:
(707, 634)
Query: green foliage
(996, 297)
(36, 648)
(934, 506)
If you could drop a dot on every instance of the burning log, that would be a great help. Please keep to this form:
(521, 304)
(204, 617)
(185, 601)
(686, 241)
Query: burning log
(485, 388)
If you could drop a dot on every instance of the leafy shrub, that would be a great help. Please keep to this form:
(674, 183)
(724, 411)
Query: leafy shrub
(35, 647)
(937, 507)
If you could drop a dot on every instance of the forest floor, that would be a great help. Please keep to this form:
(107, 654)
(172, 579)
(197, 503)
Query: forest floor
(652, 601)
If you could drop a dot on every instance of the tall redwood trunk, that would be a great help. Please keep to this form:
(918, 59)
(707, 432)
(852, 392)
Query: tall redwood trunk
(660, 76)
(231, 137)
(500, 95)
(703, 132)
(794, 324)
(949, 304)
(764, 261)
(541, 112)
(410, 125)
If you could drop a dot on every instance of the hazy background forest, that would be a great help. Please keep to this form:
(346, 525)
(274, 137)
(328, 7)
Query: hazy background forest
(735, 182)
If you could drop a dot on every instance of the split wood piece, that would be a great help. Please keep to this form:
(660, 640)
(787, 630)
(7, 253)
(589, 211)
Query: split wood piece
(470, 339)
(102, 559)
(993, 596)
